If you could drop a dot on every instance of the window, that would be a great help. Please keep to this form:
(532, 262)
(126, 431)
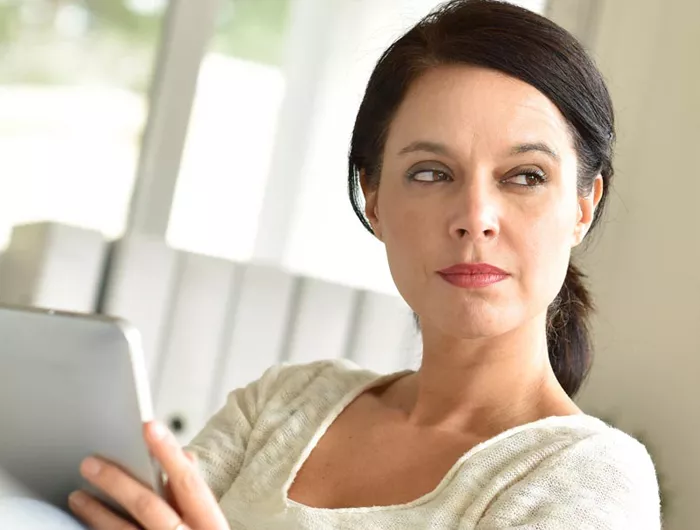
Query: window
(74, 77)
(226, 158)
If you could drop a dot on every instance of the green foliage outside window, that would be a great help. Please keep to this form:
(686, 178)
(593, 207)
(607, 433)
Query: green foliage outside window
(114, 42)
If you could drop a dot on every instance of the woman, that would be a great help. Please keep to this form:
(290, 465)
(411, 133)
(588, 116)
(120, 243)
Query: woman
(482, 150)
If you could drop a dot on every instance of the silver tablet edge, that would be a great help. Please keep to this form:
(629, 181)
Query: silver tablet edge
(143, 394)
(133, 340)
(138, 365)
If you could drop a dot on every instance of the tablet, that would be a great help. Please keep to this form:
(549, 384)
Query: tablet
(70, 386)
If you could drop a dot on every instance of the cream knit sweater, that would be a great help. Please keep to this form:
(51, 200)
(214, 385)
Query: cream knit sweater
(559, 473)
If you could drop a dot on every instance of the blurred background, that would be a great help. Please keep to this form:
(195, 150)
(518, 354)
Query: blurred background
(182, 164)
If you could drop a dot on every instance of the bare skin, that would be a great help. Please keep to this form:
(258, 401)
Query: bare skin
(464, 198)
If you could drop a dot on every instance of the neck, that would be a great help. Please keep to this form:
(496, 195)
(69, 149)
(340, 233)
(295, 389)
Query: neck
(485, 386)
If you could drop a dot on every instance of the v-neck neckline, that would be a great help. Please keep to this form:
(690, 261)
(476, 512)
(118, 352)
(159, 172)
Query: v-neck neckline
(350, 396)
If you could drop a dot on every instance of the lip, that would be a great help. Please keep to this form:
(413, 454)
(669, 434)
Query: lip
(473, 275)
(473, 268)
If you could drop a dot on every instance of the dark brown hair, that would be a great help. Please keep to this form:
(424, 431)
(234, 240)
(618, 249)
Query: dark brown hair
(529, 47)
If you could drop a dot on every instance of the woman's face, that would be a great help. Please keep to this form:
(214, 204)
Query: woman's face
(478, 167)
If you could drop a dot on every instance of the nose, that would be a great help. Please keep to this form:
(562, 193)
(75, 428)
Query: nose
(474, 213)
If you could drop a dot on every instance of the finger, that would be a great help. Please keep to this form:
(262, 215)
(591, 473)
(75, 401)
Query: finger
(140, 501)
(95, 514)
(169, 495)
(195, 500)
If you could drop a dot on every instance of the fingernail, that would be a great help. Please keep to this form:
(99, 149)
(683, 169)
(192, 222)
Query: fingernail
(91, 466)
(77, 498)
(158, 430)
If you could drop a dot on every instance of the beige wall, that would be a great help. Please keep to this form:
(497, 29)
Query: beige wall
(644, 266)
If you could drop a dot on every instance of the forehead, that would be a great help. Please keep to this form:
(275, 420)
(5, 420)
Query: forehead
(477, 105)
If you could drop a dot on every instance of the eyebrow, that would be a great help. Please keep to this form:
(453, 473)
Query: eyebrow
(536, 146)
(430, 147)
(442, 149)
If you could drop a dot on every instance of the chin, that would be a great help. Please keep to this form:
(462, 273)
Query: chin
(474, 330)
(472, 322)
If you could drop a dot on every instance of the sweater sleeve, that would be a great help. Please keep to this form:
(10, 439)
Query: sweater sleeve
(604, 482)
(220, 447)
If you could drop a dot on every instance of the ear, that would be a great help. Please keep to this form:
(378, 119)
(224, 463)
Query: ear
(586, 210)
(371, 193)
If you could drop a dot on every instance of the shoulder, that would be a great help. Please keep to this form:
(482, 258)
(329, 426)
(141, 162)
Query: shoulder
(579, 472)
(596, 452)
(281, 390)
(603, 449)
(614, 462)
(288, 380)
(609, 473)
(287, 387)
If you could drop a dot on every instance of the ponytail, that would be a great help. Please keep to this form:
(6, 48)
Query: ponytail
(568, 336)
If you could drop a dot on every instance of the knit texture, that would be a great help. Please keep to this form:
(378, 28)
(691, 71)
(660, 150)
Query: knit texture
(559, 473)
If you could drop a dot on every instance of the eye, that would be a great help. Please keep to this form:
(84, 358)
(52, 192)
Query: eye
(429, 175)
(528, 179)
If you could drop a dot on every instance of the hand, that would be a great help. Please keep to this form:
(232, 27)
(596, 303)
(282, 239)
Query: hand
(193, 504)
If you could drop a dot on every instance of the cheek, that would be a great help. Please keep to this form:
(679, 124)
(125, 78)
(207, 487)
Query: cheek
(409, 232)
(400, 217)
(405, 223)
(545, 248)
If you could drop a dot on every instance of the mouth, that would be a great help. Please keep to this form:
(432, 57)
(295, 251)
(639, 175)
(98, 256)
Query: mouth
(473, 275)
(473, 268)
